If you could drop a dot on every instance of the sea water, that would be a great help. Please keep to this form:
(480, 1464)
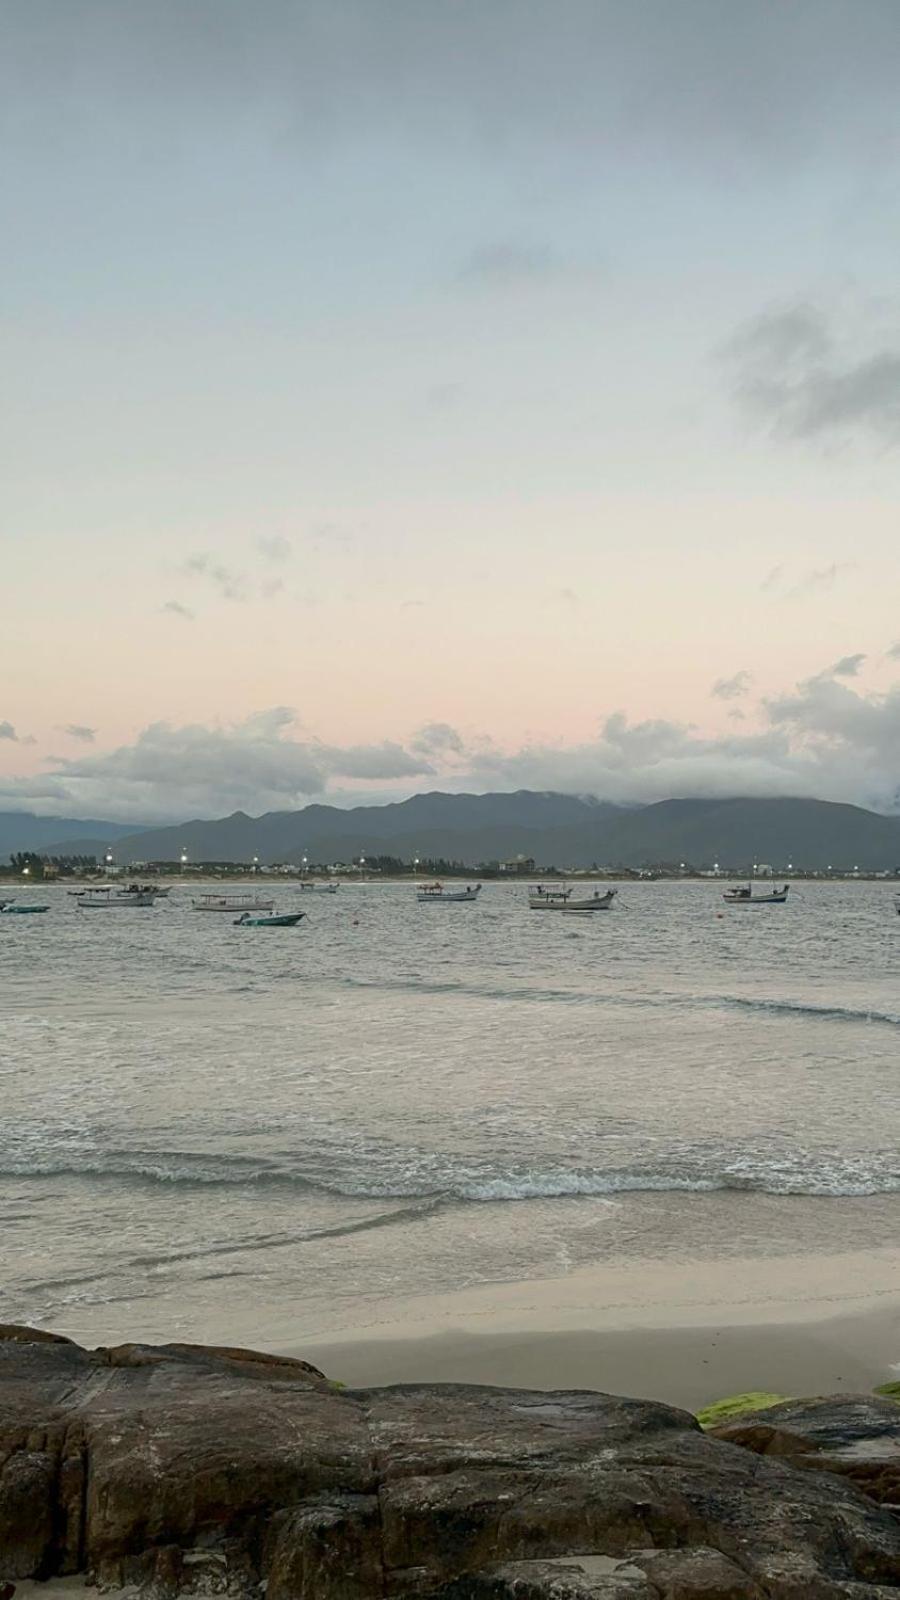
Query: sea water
(200, 1122)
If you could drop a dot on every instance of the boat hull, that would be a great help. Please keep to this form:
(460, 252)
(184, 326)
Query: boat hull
(289, 920)
(234, 907)
(597, 902)
(23, 911)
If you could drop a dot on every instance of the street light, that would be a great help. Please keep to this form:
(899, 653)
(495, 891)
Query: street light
(184, 859)
(415, 866)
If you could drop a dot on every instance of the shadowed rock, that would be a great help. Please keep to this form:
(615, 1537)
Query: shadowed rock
(185, 1469)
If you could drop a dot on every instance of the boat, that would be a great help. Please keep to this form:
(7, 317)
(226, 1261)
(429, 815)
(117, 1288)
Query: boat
(287, 920)
(115, 899)
(436, 894)
(232, 902)
(596, 902)
(320, 888)
(12, 908)
(742, 895)
(549, 897)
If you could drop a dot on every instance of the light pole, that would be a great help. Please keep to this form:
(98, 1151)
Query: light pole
(184, 859)
(415, 866)
(303, 861)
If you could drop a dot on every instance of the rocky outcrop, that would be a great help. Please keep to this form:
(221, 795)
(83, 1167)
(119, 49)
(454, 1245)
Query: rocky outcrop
(211, 1471)
(857, 1436)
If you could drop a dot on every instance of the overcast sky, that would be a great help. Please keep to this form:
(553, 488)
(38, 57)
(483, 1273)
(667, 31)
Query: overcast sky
(405, 393)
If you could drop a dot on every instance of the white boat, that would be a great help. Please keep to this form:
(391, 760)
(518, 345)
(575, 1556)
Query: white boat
(436, 894)
(320, 888)
(232, 902)
(596, 902)
(743, 896)
(115, 899)
(549, 897)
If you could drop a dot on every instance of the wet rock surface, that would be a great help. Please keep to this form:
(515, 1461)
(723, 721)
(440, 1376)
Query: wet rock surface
(184, 1469)
(856, 1436)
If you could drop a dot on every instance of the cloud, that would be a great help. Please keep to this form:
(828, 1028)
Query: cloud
(77, 730)
(7, 731)
(229, 584)
(507, 265)
(848, 666)
(171, 772)
(732, 688)
(730, 88)
(812, 581)
(818, 580)
(437, 739)
(176, 609)
(792, 372)
(275, 549)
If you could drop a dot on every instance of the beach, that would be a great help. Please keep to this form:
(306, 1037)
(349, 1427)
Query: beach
(680, 1332)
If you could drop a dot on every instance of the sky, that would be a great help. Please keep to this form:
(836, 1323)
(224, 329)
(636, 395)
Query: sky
(463, 394)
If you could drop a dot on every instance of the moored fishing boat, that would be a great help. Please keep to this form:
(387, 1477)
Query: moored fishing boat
(549, 897)
(13, 908)
(320, 888)
(232, 902)
(288, 919)
(435, 894)
(742, 895)
(108, 899)
(595, 902)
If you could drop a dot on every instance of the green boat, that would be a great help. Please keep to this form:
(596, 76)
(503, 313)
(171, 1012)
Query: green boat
(290, 920)
(14, 910)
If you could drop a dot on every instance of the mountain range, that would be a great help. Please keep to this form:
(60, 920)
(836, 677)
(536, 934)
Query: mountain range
(555, 829)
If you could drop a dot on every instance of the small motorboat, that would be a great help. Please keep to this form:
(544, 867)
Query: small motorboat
(14, 908)
(596, 902)
(287, 920)
(320, 888)
(742, 895)
(232, 902)
(435, 894)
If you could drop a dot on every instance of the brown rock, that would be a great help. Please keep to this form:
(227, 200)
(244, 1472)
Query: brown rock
(182, 1469)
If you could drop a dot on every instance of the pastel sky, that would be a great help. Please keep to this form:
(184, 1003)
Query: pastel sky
(406, 394)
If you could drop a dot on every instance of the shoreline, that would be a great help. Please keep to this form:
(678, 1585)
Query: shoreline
(685, 1333)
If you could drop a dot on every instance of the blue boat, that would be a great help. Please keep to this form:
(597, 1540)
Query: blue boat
(12, 909)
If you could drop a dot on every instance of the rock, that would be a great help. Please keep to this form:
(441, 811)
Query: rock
(210, 1471)
(857, 1436)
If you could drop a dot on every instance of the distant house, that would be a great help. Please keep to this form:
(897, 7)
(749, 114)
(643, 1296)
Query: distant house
(519, 864)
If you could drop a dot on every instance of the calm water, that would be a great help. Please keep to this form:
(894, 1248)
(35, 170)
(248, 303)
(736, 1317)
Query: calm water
(393, 1099)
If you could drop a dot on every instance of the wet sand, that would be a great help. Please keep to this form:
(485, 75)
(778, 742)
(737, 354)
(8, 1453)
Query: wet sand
(686, 1335)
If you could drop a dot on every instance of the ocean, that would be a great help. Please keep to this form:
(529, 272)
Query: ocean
(207, 1129)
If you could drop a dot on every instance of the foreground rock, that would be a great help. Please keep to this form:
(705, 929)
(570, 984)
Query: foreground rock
(213, 1470)
(857, 1436)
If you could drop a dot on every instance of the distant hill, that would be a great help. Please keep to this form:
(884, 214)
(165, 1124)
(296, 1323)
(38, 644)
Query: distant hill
(559, 830)
(20, 830)
(470, 827)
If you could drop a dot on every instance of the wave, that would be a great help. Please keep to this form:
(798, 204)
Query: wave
(802, 1008)
(433, 1183)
